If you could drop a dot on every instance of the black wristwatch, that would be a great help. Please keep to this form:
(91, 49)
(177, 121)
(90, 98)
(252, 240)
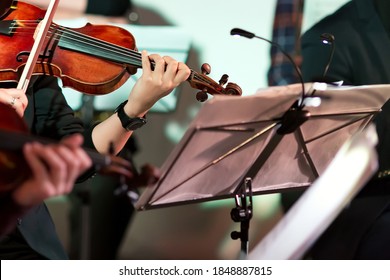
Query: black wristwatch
(127, 122)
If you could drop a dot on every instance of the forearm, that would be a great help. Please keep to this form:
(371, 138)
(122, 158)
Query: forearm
(110, 133)
(149, 88)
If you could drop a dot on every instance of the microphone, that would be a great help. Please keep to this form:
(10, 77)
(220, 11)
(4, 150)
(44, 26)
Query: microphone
(250, 35)
(328, 39)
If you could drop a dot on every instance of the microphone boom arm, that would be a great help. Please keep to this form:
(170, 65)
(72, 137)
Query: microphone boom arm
(250, 35)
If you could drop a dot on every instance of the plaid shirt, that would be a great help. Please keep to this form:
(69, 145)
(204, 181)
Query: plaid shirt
(286, 33)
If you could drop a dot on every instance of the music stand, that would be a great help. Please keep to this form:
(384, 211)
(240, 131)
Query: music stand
(353, 165)
(259, 137)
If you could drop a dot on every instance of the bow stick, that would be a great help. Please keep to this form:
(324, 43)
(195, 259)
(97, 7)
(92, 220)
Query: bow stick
(43, 28)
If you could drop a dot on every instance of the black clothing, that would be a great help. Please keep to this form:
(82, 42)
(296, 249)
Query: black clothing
(48, 115)
(361, 57)
(108, 8)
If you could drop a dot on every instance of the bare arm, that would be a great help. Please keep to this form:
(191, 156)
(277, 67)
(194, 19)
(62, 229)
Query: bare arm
(149, 88)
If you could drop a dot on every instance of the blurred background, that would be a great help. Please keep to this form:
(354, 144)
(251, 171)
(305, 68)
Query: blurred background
(196, 32)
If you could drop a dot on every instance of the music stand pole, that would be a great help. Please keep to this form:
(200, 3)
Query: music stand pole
(242, 213)
(291, 121)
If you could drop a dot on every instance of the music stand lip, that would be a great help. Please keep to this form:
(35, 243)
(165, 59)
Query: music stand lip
(224, 123)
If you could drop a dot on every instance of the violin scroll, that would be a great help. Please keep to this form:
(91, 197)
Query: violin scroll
(233, 89)
(209, 86)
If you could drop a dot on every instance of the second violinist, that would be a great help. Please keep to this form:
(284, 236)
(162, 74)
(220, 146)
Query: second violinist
(47, 114)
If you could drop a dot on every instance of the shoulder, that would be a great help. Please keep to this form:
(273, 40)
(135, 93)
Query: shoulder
(341, 23)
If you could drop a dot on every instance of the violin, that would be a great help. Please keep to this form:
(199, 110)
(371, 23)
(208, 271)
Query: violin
(14, 170)
(94, 59)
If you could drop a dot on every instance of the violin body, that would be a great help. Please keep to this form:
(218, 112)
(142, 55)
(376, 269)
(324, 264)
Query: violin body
(74, 65)
(94, 59)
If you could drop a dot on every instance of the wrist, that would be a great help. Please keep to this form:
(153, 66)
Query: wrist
(130, 119)
(18, 198)
(132, 110)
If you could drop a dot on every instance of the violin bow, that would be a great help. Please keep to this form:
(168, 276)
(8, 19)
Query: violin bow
(38, 43)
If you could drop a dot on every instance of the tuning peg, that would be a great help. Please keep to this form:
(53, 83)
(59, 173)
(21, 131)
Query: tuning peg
(223, 79)
(202, 96)
(206, 69)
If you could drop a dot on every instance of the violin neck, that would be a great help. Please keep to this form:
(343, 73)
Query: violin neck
(100, 49)
(78, 42)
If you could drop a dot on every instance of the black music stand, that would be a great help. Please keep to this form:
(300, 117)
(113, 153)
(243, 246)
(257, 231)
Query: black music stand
(264, 139)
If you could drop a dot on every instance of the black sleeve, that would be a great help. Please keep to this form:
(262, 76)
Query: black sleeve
(55, 119)
(108, 8)
(10, 212)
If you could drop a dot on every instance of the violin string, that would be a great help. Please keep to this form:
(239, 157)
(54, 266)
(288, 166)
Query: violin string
(132, 53)
(85, 39)
(88, 40)
(70, 34)
(98, 43)
(112, 47)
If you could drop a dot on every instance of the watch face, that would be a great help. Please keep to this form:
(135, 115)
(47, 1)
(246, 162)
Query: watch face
(135, 123)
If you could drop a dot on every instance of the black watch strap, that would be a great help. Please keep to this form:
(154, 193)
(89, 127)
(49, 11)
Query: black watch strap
(127, 122)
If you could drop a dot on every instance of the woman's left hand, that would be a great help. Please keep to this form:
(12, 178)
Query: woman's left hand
(155, 84)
